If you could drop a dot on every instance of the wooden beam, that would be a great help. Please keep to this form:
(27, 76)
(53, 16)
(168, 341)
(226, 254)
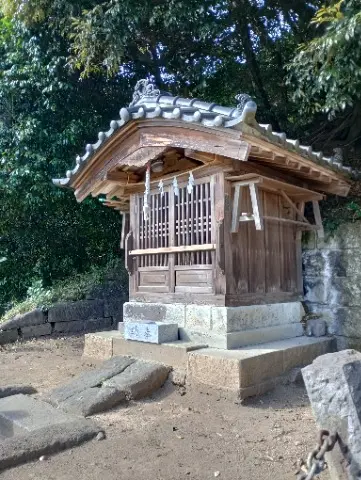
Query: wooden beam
(236, 208)
(256, 206)
(293, 222)
(293, 206)
(181, 249)
(318, 219)
(122, 177)
(125, 228)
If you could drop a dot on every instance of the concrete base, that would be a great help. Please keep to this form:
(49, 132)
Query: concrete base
(252, 371)
(244, 372)
(104, 345)
(243, 338)
(223, 327)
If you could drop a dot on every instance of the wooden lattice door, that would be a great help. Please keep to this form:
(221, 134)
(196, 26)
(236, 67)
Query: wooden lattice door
(174, 247)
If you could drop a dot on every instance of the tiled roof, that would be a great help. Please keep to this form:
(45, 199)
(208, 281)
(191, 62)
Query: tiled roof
(148, 102)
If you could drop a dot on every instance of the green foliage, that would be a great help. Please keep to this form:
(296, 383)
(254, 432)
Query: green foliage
(66, 67)
(46, 116)
(327, 69)
(337, 211)
(74, 288)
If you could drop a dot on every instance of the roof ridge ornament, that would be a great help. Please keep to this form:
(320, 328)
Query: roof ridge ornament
(242, 99)
(144, 88)
(246, 107)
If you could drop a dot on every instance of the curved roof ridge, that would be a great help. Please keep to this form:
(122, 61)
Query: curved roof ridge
(149, 102)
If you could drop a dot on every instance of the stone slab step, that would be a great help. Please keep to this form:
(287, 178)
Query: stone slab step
(115, 381)
(244, 338)
(253, 370)
(30, 428)
(106, 344)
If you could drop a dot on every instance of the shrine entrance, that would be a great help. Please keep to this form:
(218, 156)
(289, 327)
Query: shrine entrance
(174, 246)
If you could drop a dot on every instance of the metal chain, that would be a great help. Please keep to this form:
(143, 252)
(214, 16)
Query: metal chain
(316, 459)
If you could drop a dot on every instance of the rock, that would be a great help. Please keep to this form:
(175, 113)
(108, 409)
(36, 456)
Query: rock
(113, 307)
(93, 400)
(35, 317)
(90, 379)
(333, 383)
(44, 457)
(75, 311)
(217, 474)
(178, 377)
(45, 441)
(101, 436)
(9, 390)
(36, 331)
(316, 327)
(117, 380)
(140, 379)
(8, 336)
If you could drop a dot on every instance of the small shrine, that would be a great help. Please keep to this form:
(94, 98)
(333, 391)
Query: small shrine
(213, 208)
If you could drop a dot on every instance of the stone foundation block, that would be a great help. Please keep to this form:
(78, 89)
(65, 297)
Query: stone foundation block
(198, 318)
(69, 327)
(8, 336)
(251, 371)
(98, 324)
(113, 308)
(82, 310)
(98, 345)
(156, 312)
(333, 384)
(231, 319)
(35, 317)
(36, 331)
(151, 332)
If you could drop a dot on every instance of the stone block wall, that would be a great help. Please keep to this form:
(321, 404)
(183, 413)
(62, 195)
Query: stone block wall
(64, 318)
(332, 282)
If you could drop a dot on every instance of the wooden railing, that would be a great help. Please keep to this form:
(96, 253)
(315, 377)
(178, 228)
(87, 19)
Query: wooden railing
(180, 249)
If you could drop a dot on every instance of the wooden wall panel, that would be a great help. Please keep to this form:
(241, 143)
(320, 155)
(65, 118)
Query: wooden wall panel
(263, 262)
(257, 254)
(156, 280)
(272, 244)
(198, 279)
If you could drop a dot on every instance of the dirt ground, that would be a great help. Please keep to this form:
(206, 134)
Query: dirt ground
(174, 435)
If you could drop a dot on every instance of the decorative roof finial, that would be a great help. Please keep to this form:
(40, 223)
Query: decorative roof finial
(144, 88)
(242, 99)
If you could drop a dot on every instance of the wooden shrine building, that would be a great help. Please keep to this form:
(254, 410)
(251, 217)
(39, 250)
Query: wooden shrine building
(213, 203)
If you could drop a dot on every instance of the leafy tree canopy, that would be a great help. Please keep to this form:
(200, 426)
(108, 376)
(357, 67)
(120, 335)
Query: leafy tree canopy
(66, 67)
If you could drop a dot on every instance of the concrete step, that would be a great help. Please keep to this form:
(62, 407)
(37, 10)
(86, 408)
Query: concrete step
(104, 345)
(244, 338)
(253, 370)
(244, 371)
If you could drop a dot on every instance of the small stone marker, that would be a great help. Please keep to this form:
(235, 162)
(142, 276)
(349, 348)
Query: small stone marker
(151, 332)
(333, 383)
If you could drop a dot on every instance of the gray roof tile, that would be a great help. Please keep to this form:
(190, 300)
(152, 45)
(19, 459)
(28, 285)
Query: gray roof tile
(149, 102)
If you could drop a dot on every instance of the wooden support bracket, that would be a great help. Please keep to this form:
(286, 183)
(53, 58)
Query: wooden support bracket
(318, 219)
(256, 205)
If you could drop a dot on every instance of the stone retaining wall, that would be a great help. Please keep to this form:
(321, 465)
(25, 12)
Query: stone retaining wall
(64, 318)
(332, 282)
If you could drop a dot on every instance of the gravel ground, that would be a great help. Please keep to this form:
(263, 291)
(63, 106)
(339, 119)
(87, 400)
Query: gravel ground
(176, 434)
